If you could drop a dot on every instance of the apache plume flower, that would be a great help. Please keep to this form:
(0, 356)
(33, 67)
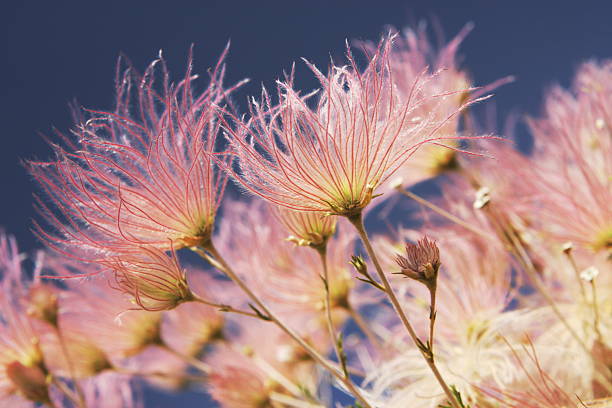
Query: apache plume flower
(79, 357)
(574, 158)
(307, 228)
(332, 156)
(21, 359)
(537, 390)
(414, 55)
(140, 175)
(113, 324)
(282, 273)
(153, 279)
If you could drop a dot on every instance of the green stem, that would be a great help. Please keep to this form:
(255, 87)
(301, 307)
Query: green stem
(194, 362)
(322, 251)
(596, 312)
(223, 308)
(432, 318)
(71, 371)
(572, 262)
(220, 263)
(357, 221)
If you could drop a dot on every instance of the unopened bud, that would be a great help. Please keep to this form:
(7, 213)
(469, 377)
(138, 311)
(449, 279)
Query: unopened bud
(589, 274)
(421, 263)
(397, 183)
(30, 382)
(154, 279)
(567, 247)
(359, 264)
(483, 197)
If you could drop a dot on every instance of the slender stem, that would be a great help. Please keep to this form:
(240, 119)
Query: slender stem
(524, 259)
(218, 262)
(50, 404)
(357, 221)
(572, 262)
(595, 311)
(194, 362)
(193, 378)
(432, 318)
(66, 391)
(444, 213)
(289, 401)
(520, 253)
(363, 326)
(223, 307)
(79, 391)
(322, 251)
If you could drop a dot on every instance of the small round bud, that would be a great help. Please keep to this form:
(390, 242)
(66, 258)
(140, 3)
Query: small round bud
(360, 266)
(483, 197)
(567, 247)
(589, 274)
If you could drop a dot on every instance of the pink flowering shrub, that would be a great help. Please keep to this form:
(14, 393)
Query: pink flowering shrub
(500, 297)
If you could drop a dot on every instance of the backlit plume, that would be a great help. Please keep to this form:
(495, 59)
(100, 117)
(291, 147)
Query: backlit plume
(282, 273)
(573, 150)
(307, 228)
(307, 295)
(414, 55)
(331, 154)
(141, 174)
(154, 279)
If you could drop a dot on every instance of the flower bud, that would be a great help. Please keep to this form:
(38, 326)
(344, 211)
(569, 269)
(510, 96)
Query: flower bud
(589, 274)
(360, 266)
(30, 382)
(483, 197)
(421, 263)
(567, 247)
(307, 228)
(154, 279)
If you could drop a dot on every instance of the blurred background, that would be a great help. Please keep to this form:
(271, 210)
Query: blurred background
(54, 52)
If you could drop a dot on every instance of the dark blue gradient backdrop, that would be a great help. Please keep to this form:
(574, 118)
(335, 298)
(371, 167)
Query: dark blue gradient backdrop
(53, 52)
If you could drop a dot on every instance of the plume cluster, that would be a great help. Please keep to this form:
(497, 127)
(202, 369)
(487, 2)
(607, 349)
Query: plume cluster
(495, 293)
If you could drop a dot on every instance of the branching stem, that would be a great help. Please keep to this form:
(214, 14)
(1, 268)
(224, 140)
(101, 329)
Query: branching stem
(357, 221)
(217, 261)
